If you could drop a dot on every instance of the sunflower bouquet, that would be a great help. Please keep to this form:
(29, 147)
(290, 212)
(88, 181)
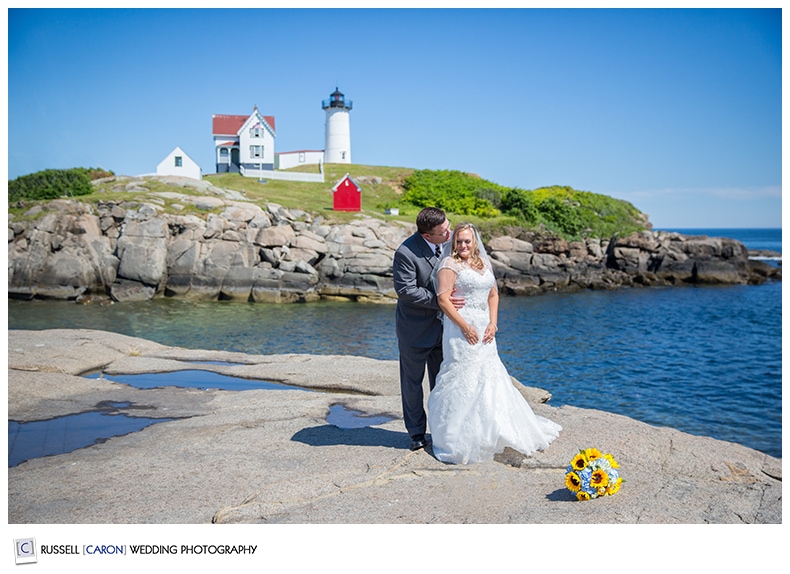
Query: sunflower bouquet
(591, 474)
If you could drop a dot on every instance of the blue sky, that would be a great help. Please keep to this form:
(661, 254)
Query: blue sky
(677, 111)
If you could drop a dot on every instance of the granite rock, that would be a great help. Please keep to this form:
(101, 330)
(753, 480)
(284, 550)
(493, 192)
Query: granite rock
(263, 456)
(132, 250)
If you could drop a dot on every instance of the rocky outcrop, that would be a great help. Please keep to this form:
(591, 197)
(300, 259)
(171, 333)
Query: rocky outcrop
(243, 251)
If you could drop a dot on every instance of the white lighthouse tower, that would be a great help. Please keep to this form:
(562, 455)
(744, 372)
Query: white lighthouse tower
(338, 134)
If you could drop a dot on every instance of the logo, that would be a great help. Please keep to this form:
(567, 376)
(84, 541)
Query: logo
(25, 550)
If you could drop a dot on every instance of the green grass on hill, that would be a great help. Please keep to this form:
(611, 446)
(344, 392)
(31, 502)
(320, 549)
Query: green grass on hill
(493, 208)
(316, 198)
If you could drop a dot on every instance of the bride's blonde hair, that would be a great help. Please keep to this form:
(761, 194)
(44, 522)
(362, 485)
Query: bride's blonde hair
(475, 261)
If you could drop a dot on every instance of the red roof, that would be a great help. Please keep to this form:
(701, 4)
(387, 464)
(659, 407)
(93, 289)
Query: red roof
(223, 124)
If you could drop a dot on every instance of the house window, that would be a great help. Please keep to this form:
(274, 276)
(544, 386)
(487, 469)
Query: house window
(178, 161)
(256, 151)
(301, 157)
(255, 132)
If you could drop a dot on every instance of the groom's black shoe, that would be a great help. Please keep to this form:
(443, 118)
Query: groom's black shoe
(418, 441)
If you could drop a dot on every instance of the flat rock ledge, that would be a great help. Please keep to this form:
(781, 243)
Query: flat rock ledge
(270, 456)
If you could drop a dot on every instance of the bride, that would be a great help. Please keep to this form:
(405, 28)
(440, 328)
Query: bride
(475, 411)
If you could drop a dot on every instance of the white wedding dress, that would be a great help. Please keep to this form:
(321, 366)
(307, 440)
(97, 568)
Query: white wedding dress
(474, 411)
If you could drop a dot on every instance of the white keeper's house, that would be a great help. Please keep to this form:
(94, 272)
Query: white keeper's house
(245, 144)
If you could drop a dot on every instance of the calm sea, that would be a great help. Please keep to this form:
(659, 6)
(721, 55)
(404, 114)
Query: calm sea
(705, 360)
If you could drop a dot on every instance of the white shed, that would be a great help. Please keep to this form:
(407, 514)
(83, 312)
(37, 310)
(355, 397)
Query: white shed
(179, 163)
(289, 159)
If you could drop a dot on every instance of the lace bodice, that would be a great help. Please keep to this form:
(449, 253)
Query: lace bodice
(471, 284)
(474, 287)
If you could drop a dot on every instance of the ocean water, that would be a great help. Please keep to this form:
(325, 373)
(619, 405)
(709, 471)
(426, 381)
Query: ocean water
(704, 360)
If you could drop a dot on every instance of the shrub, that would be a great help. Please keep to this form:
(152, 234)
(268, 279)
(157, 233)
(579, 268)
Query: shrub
(450, 190)
(561, 209)
(52, 183)
(520, 204)
(561, 216)
(571, 213)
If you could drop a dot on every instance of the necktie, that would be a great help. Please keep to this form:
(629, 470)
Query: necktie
(438, 251)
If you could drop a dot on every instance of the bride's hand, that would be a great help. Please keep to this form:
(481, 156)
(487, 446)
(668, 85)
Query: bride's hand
(490, 333)
(470, 334)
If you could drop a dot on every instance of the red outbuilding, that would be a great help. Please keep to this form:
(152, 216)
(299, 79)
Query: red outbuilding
(347, 195)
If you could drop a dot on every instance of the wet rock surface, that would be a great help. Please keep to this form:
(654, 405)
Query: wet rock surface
(262, 456)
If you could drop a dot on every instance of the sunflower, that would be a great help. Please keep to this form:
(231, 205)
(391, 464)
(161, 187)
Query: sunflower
(593, 454)
(592, 474)
(614, 486)
(573, 482)
(599, 478)
(579, 461)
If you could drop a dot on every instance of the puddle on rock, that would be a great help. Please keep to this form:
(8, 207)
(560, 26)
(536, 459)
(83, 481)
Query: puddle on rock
(345, 418)
(59, 435)
(29, 440)
(193, 378)
(221, 363)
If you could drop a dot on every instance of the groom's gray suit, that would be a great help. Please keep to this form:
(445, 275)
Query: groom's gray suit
(418, 326)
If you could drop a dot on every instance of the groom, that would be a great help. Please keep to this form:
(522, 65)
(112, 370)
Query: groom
(418, 322)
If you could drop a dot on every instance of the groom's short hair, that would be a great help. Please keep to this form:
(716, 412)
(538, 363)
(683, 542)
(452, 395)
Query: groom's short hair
(429, 218)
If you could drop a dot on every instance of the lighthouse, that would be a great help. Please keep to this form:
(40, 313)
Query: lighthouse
(338, 134)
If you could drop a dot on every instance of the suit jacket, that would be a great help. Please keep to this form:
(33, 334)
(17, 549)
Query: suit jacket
(417, 318)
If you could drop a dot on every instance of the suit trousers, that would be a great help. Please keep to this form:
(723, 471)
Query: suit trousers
(413, 363)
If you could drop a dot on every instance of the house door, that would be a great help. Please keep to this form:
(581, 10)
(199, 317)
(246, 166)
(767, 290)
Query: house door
(234, 160)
